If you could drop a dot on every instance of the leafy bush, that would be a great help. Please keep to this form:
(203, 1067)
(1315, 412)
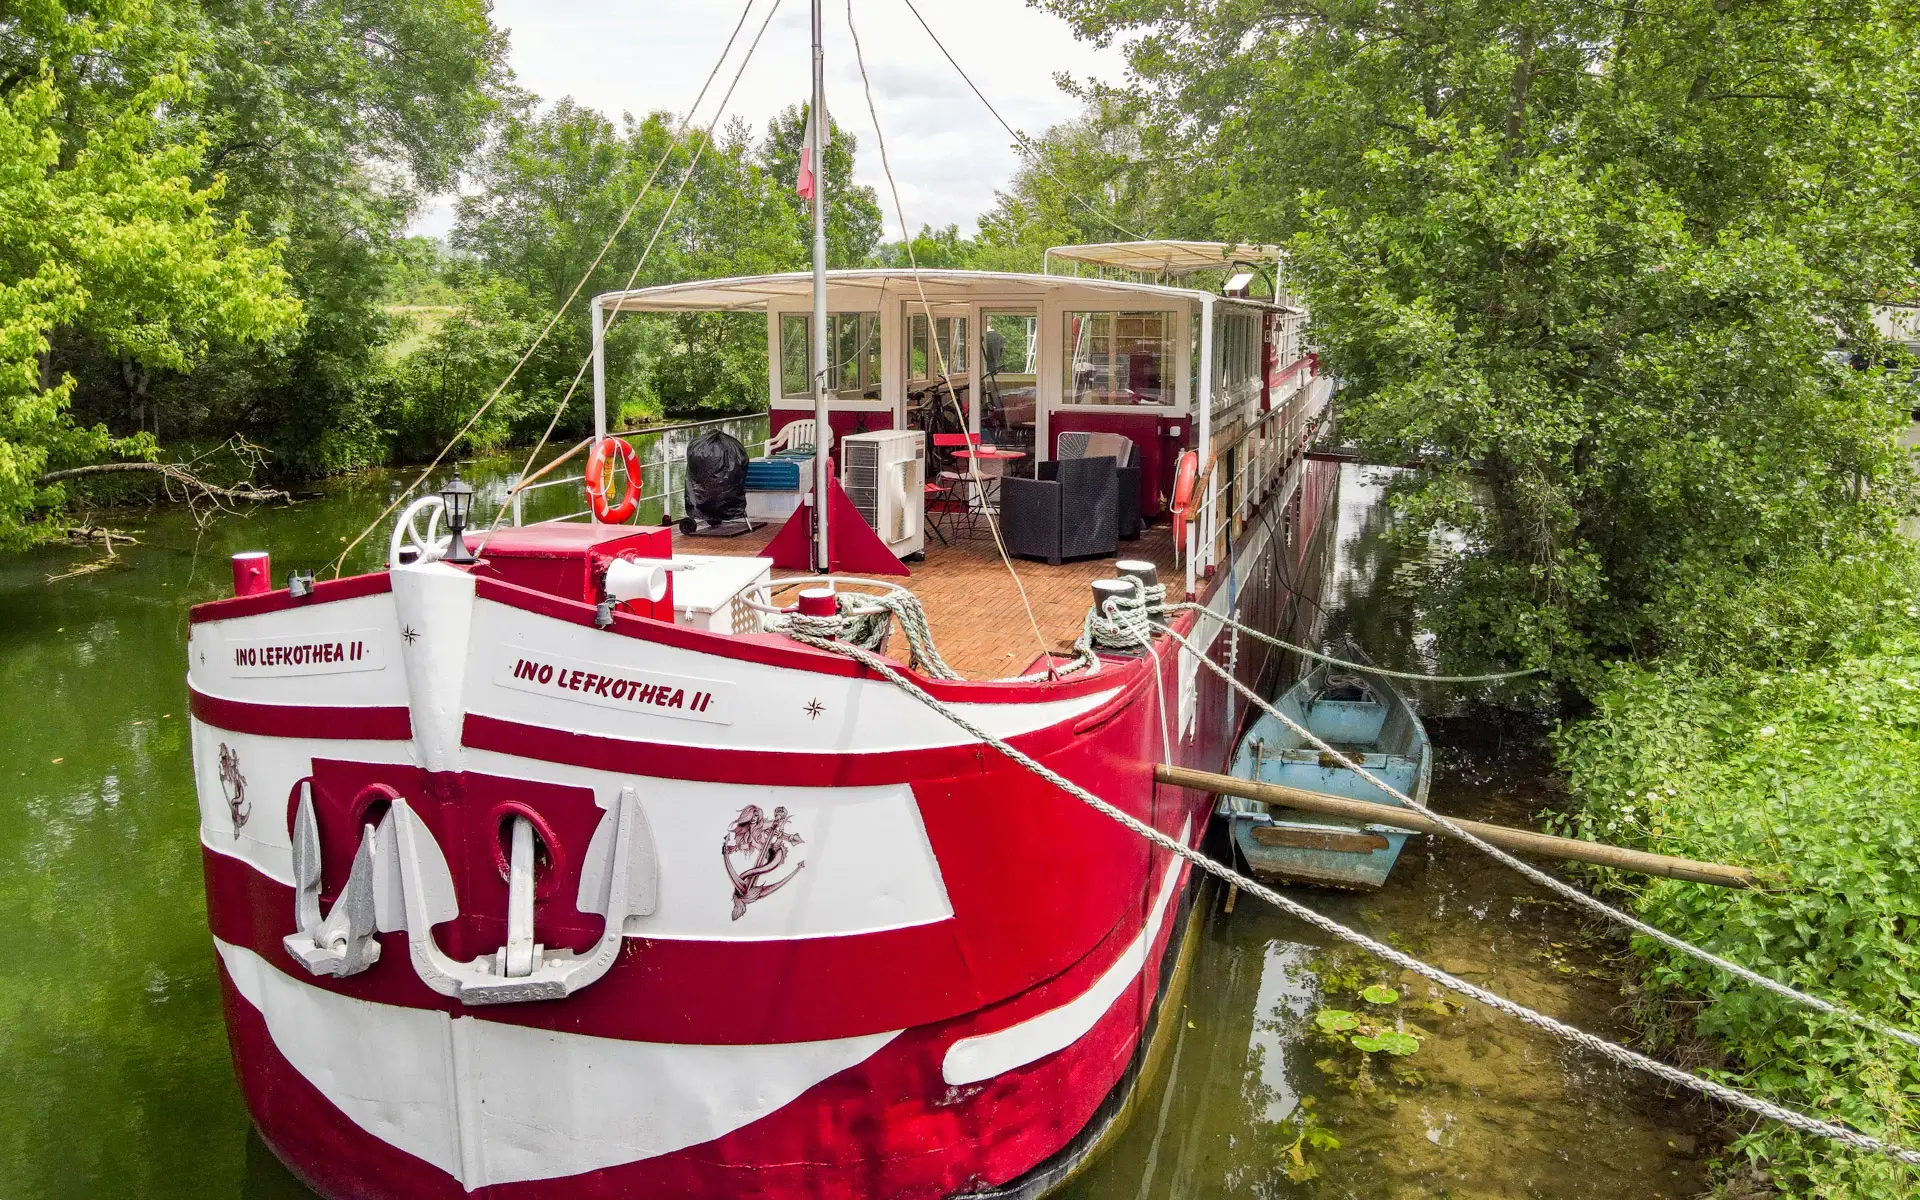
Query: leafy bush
(437, 388)
(1788, 740)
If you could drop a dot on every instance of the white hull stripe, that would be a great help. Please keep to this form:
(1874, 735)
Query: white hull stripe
(973, 1059)
(491, 1103)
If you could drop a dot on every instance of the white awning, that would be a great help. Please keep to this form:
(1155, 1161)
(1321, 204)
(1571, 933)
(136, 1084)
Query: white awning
(753, 293)
(1166, 258)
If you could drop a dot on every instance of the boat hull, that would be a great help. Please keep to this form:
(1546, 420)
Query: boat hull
(1384, 737)
(931, 998)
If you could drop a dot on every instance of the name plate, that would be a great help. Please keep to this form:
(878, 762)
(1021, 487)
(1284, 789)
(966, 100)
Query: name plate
(313, 654)
(649, 692)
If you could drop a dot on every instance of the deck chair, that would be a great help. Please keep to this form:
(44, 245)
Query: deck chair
(1069, 512)
(795, 435)
(1126, 458)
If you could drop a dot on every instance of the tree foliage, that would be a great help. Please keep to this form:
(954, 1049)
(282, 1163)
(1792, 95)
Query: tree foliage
(1588, 259)
(313, 129)
(110, 239)
(1784, 735)
(552, 189)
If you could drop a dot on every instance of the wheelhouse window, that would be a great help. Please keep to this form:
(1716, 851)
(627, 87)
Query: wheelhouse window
(1236, 357)
(853, 349)
(1119, 358)
(925, 355)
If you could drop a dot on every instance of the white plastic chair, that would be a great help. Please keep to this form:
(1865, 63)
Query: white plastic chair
(795, 434)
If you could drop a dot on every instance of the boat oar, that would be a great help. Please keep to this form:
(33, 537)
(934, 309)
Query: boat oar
(1520, 841)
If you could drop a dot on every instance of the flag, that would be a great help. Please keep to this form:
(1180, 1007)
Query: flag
(805, 186)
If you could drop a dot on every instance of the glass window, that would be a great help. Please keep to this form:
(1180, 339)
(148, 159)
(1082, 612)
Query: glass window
(924, 358)
(795, 352)
(853, 347)
(1236, 357)
(1121, 358)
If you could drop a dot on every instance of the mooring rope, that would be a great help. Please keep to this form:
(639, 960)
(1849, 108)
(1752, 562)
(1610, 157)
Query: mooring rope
(1558, 887)
(861, 620)
(1330, 660)
(1612, 1051)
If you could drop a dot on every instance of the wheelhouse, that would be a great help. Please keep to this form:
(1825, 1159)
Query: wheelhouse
(1116, 339)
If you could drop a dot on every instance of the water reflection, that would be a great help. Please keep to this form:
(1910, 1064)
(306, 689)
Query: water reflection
(1487, 1107)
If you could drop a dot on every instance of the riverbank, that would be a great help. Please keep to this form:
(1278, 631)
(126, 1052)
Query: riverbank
(1789, 743)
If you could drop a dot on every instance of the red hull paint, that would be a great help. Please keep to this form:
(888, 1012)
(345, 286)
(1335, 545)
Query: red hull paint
(1046, 896)
(890, 1126)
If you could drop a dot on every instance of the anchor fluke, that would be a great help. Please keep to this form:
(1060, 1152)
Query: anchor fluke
(341, 942)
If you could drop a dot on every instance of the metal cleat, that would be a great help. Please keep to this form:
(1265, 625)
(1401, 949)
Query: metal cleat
(414, 891)
(342, 942)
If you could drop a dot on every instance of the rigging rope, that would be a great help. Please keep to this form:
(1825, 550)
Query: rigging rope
(1726, 1094)
(339, 563)
(933, 337)
(1559, 887)
(1490, 677)
(1025, 144)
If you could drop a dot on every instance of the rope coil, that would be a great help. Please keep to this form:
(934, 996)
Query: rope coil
(862, 620)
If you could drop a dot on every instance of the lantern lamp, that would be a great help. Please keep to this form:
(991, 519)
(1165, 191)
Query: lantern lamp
(458, 496)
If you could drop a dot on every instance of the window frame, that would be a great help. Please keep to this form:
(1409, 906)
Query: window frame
(1169, 340)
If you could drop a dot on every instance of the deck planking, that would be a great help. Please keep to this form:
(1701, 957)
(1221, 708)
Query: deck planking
(972, 604)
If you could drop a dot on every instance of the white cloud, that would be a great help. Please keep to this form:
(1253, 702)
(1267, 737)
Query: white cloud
(948, 153)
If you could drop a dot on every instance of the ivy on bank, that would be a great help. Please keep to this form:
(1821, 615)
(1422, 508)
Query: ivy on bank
(1792, 746)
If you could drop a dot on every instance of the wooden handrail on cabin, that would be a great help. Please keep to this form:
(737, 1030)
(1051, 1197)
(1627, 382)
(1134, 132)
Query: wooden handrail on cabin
(1520, 841)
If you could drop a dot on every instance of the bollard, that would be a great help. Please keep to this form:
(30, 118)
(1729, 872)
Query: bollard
(818, 602)
(252, 573)
(1110, 589)
(1140, 571)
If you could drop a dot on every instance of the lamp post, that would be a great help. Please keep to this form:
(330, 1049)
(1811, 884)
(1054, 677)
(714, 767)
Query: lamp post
(458, 496)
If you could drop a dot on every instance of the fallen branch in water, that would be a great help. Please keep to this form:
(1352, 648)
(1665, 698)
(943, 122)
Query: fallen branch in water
(100, 533)
(173, 473)
(183, 482)
(90, 533)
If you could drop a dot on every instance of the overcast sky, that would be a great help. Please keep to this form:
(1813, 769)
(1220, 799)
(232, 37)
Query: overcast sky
(948, 153)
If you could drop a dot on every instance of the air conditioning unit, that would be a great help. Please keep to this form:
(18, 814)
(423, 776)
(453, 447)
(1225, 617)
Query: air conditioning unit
(885, 475)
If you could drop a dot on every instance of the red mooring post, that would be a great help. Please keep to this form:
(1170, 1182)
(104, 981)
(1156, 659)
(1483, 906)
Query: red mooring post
(252, 573)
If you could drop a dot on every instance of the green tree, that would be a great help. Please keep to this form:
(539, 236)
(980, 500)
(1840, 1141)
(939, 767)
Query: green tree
(111, 242)
(439, 386)
(321, 126)
(552, 189)
(1588, 259)
(1085, 180)
(854, 222)
(932, 248)
(330, 122)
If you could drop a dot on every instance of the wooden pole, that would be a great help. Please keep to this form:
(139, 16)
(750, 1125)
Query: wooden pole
(1520, 841)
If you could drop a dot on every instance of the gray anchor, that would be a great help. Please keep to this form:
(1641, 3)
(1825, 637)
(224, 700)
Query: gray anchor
(413, 890)
(341, 942)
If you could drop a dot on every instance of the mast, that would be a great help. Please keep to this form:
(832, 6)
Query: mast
(821, 426)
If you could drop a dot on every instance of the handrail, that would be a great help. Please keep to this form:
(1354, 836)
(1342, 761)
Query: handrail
(1283, 433)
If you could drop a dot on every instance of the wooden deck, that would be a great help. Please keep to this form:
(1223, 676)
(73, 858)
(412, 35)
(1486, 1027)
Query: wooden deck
(971, 601)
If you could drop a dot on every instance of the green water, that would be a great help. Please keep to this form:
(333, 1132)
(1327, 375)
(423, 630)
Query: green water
(118, 1079)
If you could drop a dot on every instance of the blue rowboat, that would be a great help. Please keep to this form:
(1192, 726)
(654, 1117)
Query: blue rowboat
(1360, 714)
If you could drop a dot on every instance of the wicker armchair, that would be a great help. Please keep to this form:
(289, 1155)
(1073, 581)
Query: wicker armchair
(1069, 511)
(1126, 458)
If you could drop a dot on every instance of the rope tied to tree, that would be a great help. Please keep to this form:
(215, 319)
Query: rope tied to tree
(1831, 1131)
(1558, 887)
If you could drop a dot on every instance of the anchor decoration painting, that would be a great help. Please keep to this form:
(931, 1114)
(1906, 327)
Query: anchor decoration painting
(552, 860)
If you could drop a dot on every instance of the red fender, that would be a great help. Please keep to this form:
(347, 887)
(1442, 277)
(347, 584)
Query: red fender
(1184, 477)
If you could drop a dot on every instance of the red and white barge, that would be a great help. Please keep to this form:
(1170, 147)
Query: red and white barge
(525, 883)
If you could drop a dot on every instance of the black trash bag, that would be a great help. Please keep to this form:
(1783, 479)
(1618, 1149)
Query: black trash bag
(716, 478)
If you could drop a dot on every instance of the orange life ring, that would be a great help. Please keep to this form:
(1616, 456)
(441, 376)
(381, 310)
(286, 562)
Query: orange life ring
(596, 480)
(1184, 476)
